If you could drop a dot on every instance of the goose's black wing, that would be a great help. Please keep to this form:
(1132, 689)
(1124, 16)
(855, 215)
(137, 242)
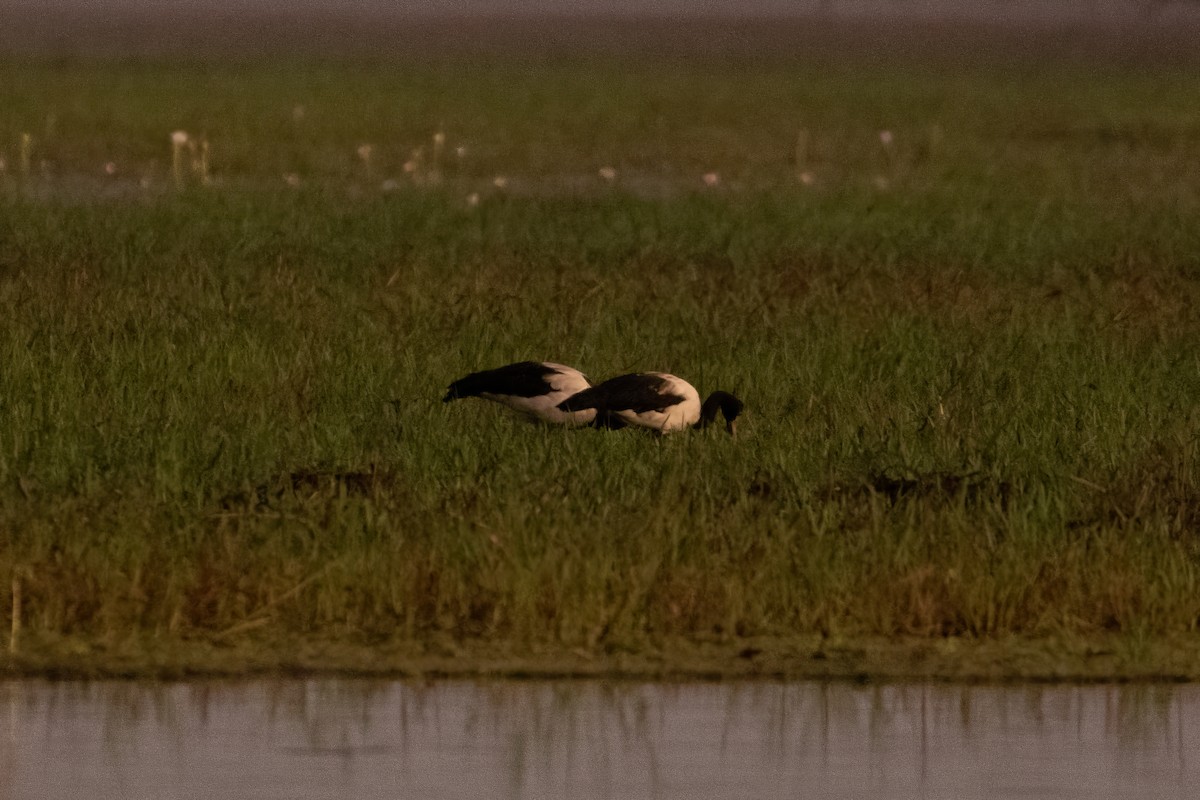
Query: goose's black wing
(638, 392)
(523, 379)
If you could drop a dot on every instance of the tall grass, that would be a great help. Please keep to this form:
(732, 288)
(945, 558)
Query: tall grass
(970, 385)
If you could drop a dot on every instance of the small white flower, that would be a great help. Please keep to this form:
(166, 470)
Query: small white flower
(179, 138)
(460, 151)
(473, 199)
(439, 138)
(608, 173)
(711, 179)
(291, 179)
(881, 182)
(110, 168)
(364, 152)
(886, 138)
(410, 166)
(3, 165)
(807, 178)
(500, 182)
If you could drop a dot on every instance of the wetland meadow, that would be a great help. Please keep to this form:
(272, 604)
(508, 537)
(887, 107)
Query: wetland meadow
(953, 272)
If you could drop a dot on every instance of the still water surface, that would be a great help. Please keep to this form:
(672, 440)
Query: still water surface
(359, 739)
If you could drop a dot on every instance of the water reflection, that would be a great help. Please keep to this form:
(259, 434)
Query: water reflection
(340, 738)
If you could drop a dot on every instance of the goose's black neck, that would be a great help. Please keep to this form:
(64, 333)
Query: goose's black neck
(729, 406)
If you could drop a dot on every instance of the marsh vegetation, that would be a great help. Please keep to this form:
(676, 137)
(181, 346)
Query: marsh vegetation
(955, 287)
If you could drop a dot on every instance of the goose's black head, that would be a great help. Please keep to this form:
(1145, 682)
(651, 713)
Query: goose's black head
(729, 406)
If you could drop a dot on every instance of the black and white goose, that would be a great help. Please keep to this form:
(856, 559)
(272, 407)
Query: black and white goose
(655, 400)
(534, 388)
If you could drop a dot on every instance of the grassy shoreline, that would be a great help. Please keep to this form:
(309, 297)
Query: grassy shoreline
(967, 348)
(1106, 659)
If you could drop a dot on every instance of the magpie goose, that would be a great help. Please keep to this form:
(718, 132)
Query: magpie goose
(534, 388)
(655, 400)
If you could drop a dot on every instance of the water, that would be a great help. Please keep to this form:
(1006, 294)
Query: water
(355, 739)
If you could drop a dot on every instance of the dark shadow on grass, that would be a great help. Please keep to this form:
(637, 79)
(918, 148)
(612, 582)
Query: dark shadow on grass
(972, 488)
(310, 483)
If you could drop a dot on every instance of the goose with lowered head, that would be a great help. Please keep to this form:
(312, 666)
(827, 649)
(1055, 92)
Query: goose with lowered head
(655, 400)
(533, 388)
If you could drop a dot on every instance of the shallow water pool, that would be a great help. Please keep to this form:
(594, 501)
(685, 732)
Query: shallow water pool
(326, 738)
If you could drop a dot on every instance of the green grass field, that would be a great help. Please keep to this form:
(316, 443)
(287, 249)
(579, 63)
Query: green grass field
(969, 358)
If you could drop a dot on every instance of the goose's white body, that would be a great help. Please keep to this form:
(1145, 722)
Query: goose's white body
(532, 388)
(675, 415)
(656, 400)
(562, 383)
